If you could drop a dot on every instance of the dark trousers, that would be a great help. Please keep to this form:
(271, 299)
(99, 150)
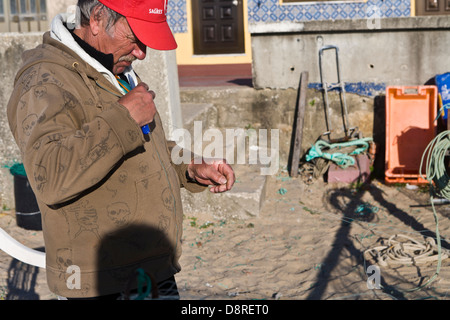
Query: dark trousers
(167, 288)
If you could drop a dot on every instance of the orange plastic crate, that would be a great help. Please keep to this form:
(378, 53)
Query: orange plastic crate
(410, 126)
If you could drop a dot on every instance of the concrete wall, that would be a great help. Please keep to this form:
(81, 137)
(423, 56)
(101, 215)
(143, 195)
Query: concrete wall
(11, 48)
(391, 51)
(55, 7)
(158, 70)
(237, 107)
(373, 54)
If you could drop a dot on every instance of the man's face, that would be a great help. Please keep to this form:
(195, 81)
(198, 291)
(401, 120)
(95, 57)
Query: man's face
(123, 44)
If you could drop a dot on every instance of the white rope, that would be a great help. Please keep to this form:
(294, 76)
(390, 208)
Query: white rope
(411, 251)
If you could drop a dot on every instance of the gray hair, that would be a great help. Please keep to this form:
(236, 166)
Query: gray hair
(87, 8)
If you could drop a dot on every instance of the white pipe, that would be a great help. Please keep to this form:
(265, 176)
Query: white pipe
(20, 252)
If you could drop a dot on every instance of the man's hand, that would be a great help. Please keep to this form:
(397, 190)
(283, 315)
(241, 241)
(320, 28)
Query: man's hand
(140, 103)
(212, 172)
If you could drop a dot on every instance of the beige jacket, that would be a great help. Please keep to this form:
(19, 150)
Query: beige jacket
(109, 199)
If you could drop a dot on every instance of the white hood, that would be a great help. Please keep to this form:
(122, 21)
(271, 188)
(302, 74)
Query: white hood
(59, 32)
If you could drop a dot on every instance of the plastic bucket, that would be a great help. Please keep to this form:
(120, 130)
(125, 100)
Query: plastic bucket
(28, 215)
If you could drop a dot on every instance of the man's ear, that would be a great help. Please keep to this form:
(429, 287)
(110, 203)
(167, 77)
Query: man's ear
(95, 22)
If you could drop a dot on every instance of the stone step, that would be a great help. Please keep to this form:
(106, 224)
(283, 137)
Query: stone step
(248, 194)
(243, 201)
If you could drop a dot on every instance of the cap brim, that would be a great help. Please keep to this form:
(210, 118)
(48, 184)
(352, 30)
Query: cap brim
(156, 35)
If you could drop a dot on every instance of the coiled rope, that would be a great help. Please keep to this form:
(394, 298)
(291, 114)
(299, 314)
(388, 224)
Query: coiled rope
(437, 176)
(436, 173)
(412, 251)
(401, 252)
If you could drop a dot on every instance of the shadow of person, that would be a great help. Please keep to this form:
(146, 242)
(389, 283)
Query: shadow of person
(134, 261)
(22, 280)
(344, 200)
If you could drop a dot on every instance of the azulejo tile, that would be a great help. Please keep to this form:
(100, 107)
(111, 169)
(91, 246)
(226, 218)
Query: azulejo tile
(325, 10)
(262, 11)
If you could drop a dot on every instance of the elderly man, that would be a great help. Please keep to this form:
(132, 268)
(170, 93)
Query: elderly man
(108, 191)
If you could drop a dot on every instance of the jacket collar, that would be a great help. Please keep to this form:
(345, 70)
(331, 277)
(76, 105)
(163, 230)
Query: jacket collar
(107, 60)
(59, 32)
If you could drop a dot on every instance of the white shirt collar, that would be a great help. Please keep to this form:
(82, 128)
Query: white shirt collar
(60, 33)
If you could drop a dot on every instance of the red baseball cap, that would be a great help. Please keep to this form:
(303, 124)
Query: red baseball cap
(147, 19)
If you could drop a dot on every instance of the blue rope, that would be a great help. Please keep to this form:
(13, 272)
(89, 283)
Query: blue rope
(343, 160)
(143, 281)
(16, 169)
(442, 109)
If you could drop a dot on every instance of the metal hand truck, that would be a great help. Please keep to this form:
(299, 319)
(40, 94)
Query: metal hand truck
(349, 132)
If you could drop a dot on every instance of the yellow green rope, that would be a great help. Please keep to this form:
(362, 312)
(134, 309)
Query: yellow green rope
(436, 175)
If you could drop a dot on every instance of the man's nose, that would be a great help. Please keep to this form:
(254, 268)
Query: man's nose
(140, 51)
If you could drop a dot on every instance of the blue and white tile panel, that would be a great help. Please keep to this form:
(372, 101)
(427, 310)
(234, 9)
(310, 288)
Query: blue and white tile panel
(261, 11)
